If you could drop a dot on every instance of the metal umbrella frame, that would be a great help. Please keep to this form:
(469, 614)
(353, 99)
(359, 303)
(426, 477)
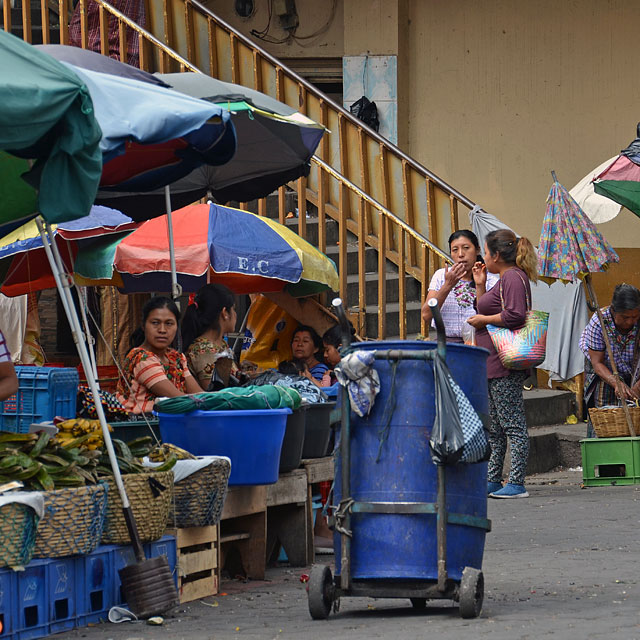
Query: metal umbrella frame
(568, 270)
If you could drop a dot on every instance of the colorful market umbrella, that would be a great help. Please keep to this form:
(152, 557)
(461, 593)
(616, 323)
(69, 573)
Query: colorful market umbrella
(620, 181)
(274, 146)
(570, 245)
(213, 243)
(24, 266)
(572, 248)
(597, 208)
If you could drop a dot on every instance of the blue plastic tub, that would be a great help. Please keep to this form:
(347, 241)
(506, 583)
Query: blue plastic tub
(251, 439)
(402, 546)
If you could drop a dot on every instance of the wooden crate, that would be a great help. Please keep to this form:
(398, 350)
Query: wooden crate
(198, 561)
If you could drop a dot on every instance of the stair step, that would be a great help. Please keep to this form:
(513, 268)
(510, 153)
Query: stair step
(393, 319)
(370, 261)
(548, 406)
(372, 280)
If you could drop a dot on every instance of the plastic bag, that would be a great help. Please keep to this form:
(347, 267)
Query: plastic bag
(367, 111)
(458, 433)
(268, 335)
(468, 334)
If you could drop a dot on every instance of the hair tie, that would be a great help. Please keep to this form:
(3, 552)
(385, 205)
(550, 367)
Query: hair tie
(192, 300)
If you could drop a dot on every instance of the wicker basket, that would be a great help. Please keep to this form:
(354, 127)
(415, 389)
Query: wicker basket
(150, 496)
(611, 422)
(18, 524)
(73, 521)
(199, 498)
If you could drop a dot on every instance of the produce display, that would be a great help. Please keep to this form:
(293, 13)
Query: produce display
(76, 456)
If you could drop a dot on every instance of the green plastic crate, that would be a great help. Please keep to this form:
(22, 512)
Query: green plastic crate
(610, 461)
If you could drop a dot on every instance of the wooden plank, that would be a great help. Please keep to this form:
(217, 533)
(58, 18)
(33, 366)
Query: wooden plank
(242, 501)
(199, 589)
(198, 561)
(232, 537)
(318, 469)
(26, 21)
(192, 536)
(44, 15)
(291, 488)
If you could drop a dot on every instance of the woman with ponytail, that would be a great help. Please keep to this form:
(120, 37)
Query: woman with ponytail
(506, 305)
(153, 369)
(205, 323)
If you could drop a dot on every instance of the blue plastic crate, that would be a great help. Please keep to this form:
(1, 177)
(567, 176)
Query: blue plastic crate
(32, 602)
(62, 581)
(121, 557)
(95, 587)
(7, 602)
(43, 393)
(166, 546)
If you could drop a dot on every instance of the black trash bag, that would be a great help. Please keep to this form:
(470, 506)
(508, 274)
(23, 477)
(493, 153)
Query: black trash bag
(446, 442)
(459, 434)
(365, 110)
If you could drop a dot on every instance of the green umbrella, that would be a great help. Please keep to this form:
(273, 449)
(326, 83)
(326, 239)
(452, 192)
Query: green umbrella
(49, 137)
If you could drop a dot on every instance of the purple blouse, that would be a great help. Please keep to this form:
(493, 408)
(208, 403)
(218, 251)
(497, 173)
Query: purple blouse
(516, 290)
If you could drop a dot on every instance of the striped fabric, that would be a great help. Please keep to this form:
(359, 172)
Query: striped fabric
(5, 356)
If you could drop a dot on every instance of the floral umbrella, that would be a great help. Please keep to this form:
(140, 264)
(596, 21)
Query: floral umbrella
(572, 248)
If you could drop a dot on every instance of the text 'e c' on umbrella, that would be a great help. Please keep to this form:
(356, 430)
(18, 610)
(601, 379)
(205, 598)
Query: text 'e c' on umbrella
(572, 248)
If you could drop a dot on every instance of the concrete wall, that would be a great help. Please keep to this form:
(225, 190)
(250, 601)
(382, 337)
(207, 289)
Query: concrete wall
(503, 91)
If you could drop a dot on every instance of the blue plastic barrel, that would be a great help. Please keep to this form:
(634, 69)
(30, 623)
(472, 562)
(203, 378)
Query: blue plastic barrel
(403, 546)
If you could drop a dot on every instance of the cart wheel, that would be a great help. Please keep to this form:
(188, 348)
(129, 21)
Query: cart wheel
(471, 593)
(320, 592)
(419, 604)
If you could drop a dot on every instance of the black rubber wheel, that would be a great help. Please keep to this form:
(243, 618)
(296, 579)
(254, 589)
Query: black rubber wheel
(419, 604)
(471, 593)
(320, 592)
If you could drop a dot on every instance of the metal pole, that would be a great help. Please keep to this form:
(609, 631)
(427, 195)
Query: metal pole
(345, 456)
(176, 289)
(76, 331)
(441, 528)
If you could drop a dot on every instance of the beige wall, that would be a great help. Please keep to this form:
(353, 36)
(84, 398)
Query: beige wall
(312, 14)
(503, 91)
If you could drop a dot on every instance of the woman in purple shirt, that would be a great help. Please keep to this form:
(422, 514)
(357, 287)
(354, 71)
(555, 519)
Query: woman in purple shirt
(505, 305)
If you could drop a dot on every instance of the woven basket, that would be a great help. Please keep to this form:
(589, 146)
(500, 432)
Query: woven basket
(72, 522)
(150, 496)
(199, 498)
(611, 422)
(18, 524)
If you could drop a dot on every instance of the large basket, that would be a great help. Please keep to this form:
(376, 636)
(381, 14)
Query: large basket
(199, 498)
(611, 422)
(18, 524)
(72, 522)
(150, 496)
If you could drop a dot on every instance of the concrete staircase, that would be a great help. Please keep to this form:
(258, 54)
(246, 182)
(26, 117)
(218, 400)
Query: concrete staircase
(36, 21)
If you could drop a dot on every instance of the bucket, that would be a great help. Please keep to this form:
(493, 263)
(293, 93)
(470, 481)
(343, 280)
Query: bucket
(293, 441)
(403, 546)
(252, 439)
(148, 587)
(317, 429)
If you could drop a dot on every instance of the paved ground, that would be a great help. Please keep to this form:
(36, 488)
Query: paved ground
(562, 564)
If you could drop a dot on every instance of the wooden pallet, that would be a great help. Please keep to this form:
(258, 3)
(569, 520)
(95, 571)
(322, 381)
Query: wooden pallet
(198, 563)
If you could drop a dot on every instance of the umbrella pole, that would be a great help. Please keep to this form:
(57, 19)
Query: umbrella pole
(82, 296)
(176, 289)
(72, 316)
(594, 300)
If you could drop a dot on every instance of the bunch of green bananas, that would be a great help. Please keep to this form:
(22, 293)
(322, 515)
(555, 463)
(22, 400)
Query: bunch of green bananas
(43, 463)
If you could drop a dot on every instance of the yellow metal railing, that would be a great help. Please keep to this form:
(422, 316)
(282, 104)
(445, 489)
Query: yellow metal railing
(369, 186)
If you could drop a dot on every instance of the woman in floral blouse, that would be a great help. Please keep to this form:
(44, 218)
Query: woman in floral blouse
(454, 288)
(211, 316)
(152, 369)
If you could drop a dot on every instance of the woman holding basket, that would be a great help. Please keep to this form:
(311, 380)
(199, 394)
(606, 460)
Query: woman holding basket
(622, 327)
